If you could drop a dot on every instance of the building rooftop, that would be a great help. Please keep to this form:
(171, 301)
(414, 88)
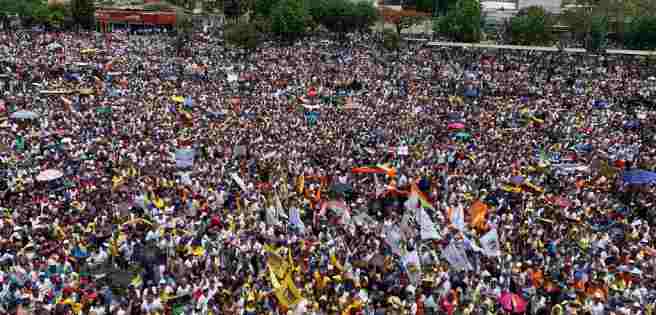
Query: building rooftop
(137, 5)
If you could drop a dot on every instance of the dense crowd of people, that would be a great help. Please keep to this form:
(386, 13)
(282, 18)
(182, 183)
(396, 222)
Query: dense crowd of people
(322, 178)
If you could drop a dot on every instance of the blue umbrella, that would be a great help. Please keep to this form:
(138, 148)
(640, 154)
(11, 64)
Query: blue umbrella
(424, 184)
(79, 253)
(215, 115)
(586, 147)
(600, 104)
(471, 93)
(634, 124)
(24, 114)
(462, 136)
(639, 177)
(455, 117)
(516, 180)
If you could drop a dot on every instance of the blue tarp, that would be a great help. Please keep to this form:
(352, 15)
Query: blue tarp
(600, 104)
(634, 124)
(639, 177)
(184, 158)
(471, 93)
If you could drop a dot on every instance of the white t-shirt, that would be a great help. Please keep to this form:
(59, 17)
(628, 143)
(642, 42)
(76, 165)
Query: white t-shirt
(597, 309)
(154, 306)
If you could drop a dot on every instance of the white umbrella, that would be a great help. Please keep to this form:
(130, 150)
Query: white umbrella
(49, 175)
(54, 46)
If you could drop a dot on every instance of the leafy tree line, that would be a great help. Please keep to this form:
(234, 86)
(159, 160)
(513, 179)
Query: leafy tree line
(631, 23)
(37, 12)
(290, 19)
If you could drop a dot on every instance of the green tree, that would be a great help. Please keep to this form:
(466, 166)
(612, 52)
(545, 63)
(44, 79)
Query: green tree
(391, 39)
(579, 15)
(157, 6)
(343, 16)
(264, 7)
(462, 22)
(183, 28)
(424, 6)
(289, 18)
(232, 8)
(442, 6)
(83, 12)
(53, 16)
(31, 11)
(598, 33)
(242, 35)
(641, 33)
(532, 26)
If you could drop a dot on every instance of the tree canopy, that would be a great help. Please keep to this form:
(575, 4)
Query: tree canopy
(242, 35)
(342, 16)
(289, 18)
(83, 13)
(532, 26)
(462, 22)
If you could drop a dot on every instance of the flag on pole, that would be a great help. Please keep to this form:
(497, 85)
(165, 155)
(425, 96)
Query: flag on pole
(456, 257)
(295, 219)
(490, 243)
(457, 217)
(478, 212)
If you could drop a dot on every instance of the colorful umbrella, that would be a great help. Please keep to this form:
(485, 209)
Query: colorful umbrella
(312, 92)
(456, 125)
(24, 114)
(137, 221)
(561, 202)
(49, 175)
(639, 177)
(463, 136)
(512, 303)
(517, 180)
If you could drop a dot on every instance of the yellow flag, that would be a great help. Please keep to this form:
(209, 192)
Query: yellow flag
(136, 281)
(270, 249)
(288, 294)
(335, 262)
(300, 184)
(607, 171)
(232, 225)
(279, 266)
(291, 286)
(274, 279)
(198, 251)
(117, 181)
(158, 203)
(113, 247)
(77, 308)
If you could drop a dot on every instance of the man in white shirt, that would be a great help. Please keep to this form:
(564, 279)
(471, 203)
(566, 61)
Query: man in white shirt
(152, 305)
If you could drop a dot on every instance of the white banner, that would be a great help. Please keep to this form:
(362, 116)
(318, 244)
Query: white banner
(456, 257)
(239, 181)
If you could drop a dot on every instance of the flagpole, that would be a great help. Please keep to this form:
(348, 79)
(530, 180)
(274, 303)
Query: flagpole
(418, 245)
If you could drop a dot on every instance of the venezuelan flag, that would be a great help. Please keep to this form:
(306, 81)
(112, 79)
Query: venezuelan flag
(377, 169)
(423, 197)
